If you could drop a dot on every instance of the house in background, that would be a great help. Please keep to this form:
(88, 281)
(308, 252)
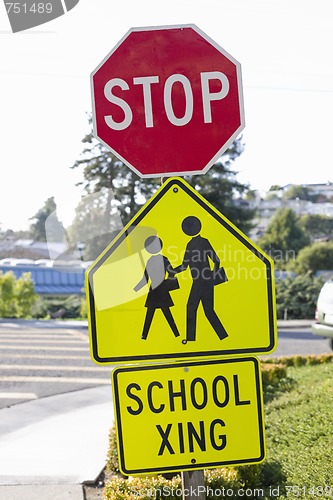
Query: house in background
(267, 203)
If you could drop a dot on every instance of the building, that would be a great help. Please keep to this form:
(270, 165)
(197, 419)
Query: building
(266, 206)
(59, 280)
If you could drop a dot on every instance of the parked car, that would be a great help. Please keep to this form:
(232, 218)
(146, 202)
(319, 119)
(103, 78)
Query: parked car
(323, 325)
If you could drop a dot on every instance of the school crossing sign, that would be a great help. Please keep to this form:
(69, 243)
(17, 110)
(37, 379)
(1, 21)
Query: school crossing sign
(197, 415)
(180, 281)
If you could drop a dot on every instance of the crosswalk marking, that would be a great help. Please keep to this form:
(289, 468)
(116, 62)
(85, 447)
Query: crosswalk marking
(55, 368)
(49, 356)
(76, 380)
(46, 348)
(18, 395)
(37, 361)
(27, 331)
(80, 335)
(33, 341)
(63, 333)
(40, 336)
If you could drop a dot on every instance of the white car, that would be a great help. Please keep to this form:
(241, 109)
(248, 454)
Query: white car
(324, 313)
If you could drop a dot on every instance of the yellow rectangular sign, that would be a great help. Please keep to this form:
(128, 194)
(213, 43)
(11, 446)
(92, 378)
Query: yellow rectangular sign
(189, 415)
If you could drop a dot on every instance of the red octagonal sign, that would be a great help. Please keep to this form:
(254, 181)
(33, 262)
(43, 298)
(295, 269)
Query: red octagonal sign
(167, 100)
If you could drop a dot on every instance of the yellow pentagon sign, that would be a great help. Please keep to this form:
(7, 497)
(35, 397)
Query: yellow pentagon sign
(198, 414)
(180, 281)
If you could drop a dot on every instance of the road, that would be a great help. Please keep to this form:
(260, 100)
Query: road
(300, 340)
(39, 359)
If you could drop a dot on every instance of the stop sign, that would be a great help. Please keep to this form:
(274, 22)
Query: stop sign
(167, 100)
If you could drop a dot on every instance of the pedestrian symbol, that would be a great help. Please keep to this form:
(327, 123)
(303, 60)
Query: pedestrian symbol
(180, 281)
(197, 255)
(159, 293)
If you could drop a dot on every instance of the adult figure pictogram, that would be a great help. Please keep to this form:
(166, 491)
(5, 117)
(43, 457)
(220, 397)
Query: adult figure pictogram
(198, 254)
(157, 267)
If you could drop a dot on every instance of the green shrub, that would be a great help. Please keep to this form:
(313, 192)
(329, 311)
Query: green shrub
(297, 297)
(7, 295)
(272, 373)
(25, 295)
(297, 360)
(160, 487)
(144, 488)
(83, 308)
(112, 464)
(17, 295)
(58, 307)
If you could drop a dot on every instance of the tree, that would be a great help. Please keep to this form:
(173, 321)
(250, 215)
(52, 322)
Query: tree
(220, 187)
(284, 236)
(94, 224)
(103, 171)
(317, 226)
(112, 193)
(300, 192)
(38, 228)
(313, 258)
(275, 187)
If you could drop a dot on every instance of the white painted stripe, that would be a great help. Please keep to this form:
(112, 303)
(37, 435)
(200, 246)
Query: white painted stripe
(49, 356)
(55, 367)
(47, 341)
(18, 395)
(39, 336)
(45, 348)
(80, 335)
(76, 380)
(10, 325)
(27, 331)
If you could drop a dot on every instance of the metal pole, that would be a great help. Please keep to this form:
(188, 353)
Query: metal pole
(193, 485)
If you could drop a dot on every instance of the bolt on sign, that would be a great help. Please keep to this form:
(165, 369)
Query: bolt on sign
(197, 415)
(167, 100)
(180, 282)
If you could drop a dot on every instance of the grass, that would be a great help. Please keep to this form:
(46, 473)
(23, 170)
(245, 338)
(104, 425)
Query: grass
(298, 397)
(299, 429)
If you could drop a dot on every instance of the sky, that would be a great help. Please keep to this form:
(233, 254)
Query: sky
(285, 51)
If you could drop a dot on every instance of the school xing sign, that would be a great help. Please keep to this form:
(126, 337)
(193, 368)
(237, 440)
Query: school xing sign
(180, 281)
(197, 415)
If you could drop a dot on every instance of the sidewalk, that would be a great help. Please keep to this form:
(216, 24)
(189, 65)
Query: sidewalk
(49, 446)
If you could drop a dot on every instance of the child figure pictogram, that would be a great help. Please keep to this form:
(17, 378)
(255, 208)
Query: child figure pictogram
(157, 267)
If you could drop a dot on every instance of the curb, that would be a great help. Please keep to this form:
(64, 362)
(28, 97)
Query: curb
(294, 323)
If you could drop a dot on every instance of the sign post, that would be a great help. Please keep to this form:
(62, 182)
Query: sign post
(193, 481)
(180, 282)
